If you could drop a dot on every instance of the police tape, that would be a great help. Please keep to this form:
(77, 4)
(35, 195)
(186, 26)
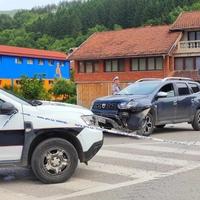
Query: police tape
(136, 136)
(116, 132)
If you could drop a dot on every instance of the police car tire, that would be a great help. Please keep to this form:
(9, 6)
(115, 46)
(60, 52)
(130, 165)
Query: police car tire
(38, 159)
(196, 121)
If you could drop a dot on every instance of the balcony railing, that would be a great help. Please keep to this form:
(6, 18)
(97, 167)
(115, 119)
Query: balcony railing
(189, 46)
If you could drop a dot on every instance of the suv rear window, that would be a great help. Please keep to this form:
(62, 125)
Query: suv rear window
(194, 87)
(182, 89)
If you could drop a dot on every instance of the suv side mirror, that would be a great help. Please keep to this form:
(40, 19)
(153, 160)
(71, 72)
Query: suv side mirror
(161, 95)
(7, 108)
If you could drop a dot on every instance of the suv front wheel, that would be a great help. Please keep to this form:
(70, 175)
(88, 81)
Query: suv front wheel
(196, 121)
(148, 127)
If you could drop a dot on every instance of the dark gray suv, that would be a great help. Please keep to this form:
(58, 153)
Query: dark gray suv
(171, 100)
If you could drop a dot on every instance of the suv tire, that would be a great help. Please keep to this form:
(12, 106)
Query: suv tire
(196, 121)
(149, 126)
(54, 160)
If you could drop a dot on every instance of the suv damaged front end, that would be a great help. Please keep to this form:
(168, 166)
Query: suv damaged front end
(124, 116)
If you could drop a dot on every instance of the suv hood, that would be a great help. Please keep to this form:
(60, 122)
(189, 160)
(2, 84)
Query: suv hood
(122, 98)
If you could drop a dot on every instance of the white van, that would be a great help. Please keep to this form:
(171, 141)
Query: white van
(48, 136)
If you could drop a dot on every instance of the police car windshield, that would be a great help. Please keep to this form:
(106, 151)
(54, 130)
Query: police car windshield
(15, 98)
(140, 88)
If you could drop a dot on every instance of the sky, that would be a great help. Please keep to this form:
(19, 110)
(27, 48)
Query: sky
(24, 4)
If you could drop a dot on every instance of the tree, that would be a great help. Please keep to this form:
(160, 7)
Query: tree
(63, 88)
(33, 88)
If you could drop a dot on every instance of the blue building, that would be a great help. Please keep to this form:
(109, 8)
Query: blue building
(16, 62)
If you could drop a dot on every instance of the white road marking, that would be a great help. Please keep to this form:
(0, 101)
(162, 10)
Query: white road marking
(10, 195)
(80, 184)
(119, 170)
(143, 158)
(158, 149)
(124, 184)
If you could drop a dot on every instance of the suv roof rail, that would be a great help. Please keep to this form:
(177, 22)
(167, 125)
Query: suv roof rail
(178, 78)
(148, 79)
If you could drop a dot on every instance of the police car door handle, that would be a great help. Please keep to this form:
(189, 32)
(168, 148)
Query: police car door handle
(175, 103)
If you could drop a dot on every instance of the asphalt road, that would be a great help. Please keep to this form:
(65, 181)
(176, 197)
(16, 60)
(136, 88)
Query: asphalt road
(125, 168)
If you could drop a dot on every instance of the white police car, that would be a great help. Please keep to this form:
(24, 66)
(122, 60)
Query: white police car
(48, 136)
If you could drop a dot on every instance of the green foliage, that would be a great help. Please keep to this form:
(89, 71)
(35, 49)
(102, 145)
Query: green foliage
(33, 88)
(71, 23)
(64, 88)
(72, 100)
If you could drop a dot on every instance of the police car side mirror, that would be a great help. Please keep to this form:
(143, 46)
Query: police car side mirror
(7, 108)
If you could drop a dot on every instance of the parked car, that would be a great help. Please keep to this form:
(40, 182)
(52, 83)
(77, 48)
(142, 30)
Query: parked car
(49, 137)
(171, 100)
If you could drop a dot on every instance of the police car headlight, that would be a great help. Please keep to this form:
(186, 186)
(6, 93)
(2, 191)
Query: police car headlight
(88, 119)
(125, 105)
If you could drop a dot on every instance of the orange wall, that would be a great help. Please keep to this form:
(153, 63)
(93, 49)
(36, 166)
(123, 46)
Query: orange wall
(8, 82)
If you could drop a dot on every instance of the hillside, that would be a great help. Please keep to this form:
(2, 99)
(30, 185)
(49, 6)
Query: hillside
(70, 23)
(11, 13)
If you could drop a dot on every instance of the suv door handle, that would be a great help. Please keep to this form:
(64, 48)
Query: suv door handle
(175, 103)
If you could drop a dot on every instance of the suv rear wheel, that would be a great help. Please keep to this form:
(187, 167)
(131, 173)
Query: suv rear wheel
(196, 121)
(148, 127)
(54, 160)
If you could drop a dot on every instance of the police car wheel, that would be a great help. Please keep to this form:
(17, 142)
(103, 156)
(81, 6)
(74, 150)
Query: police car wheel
(54, 160)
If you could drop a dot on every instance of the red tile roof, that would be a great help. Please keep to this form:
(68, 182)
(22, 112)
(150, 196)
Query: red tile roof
(33, 53)
(187, 20)
(131, 42)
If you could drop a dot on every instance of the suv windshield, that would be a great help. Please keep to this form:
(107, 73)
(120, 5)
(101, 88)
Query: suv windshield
(140, 88)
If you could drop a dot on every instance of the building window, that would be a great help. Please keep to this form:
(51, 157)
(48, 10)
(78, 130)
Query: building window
(187, 63)
(198, 63)
(18, 60)
(114, 65)
(40, 62)
(135, 64)
(159, 63)
(151, 63)
(193, 35)
(50, 62)
(96, 67)
(81, 67)
(147, 64)
(62, 64)
(88, 66)
(29, 61)
(179, 63)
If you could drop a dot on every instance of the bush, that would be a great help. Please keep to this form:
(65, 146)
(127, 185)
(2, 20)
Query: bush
(33, 88)
(64, 89)
(72, 100)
